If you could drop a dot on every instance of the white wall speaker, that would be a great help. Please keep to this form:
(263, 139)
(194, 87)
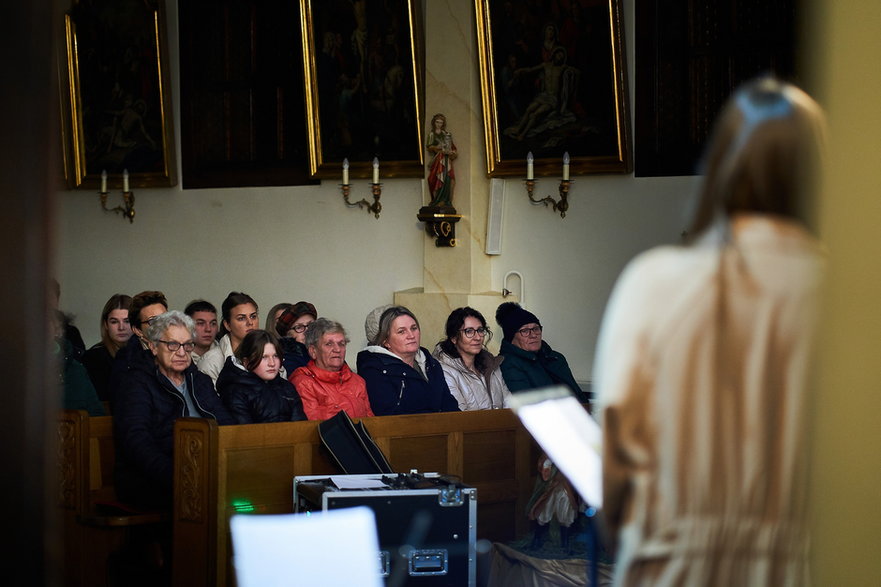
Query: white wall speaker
(494, 217)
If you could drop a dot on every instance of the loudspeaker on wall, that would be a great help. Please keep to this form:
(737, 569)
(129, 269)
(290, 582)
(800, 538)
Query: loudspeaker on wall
(494, 217)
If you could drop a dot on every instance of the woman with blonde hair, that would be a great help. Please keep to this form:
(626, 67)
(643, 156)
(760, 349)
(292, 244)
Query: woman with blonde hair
(703, 396)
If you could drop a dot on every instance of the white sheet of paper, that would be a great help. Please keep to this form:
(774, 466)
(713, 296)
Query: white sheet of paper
(356, 482)
(569, 436)
(337, 547)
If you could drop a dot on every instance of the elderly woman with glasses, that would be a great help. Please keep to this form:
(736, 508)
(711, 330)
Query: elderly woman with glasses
(326, 383)
(143, 420)
(530, 362)
(472, 372)
(291, 327)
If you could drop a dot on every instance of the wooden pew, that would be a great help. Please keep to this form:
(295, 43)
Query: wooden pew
(92, 529)
(220, 471)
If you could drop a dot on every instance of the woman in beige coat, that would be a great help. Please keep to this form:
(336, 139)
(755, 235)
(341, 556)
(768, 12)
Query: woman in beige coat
(702, 396)
(472, 372)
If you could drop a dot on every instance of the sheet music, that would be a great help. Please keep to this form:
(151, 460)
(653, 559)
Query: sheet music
(568, 434)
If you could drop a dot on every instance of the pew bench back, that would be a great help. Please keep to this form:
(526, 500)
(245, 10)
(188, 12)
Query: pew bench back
(221, 471)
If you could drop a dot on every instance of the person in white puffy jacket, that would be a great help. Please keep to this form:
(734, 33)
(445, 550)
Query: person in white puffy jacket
(471, 371)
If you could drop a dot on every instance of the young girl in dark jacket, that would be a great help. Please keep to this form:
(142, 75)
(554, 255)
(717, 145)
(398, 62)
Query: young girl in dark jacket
(251, 387)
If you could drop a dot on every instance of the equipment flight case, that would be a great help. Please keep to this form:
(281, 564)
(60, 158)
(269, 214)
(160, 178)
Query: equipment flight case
(426, 524)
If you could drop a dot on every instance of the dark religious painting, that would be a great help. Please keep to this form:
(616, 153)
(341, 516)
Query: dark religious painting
(553, 80)
(363, 81)
(116, 106)
(243, 119)
(690, 56)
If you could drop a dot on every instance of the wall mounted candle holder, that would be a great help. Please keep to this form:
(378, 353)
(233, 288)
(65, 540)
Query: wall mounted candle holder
(127, 209)
(561, 205)
(375, 207)
(128, 197)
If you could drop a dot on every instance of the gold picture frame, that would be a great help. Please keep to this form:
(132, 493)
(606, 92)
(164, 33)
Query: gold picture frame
(116, 102)
(553, 83)
(362, 63)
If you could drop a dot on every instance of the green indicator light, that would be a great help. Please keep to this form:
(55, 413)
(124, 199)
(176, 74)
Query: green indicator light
(243, 507)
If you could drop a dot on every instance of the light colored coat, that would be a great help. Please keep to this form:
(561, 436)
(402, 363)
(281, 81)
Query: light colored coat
(702, 401)
(212, 361)
(473, 391)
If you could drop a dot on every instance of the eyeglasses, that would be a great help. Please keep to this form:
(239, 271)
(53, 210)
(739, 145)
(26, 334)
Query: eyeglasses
(173, 345)
(149, 321)
(482, 331)
(536, 330)
(299, 327)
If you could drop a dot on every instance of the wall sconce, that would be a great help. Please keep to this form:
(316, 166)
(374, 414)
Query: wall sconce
(376, 190)
(128, 197)
(560, 206)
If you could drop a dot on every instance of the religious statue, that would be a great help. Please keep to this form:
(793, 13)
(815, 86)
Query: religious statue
(553, 498)
(442, 151)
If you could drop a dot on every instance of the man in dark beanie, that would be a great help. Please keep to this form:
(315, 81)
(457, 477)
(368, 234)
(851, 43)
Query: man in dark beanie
(530, 362)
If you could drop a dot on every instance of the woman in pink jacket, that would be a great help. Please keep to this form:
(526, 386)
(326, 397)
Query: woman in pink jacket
(326, 384)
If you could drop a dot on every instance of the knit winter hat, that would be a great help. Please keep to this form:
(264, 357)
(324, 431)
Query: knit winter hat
(371, 323)
(289, 316)
(511, 317)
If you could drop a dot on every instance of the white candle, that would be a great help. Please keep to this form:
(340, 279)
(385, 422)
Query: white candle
(566, 166)
(376, 170)
(103, 181)
(529, 160)
(125, 180)
(345, 172)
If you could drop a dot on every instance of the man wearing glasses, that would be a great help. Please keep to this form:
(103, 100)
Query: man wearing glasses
(146, 306)
(530, 362)
(143, 425)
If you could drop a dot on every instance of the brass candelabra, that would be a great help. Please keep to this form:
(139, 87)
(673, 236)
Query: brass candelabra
(127, 209)
(561, 205)
(375, 207)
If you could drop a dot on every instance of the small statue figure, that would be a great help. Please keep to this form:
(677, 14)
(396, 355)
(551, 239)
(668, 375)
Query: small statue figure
(553, 497)
(441, 177)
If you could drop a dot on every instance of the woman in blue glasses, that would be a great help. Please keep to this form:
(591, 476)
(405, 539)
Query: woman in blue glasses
(530, 362)
(471, 371)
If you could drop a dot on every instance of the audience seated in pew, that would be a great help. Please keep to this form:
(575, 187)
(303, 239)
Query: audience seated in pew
(252, 387)
(78, 393)
(157, 393)
(239, 318)
(530, 362)
(115, 332)
(135, 355)
(471, 371)
(291, 327)
(326, 384)
(204, 316)
(402, 377)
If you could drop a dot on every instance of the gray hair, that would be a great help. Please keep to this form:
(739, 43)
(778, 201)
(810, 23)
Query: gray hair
(163, 322)
(385, 323)
(319, 328)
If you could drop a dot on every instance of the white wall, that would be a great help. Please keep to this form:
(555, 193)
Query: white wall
(292, 243)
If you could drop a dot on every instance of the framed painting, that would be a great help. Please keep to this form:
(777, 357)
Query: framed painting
(553, 81)
(117, 108)
(363, 75)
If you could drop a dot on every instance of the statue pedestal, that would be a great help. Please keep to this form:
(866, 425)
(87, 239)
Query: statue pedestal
(440, 222)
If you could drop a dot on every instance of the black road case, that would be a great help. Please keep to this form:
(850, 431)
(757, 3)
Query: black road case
(427, 524)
